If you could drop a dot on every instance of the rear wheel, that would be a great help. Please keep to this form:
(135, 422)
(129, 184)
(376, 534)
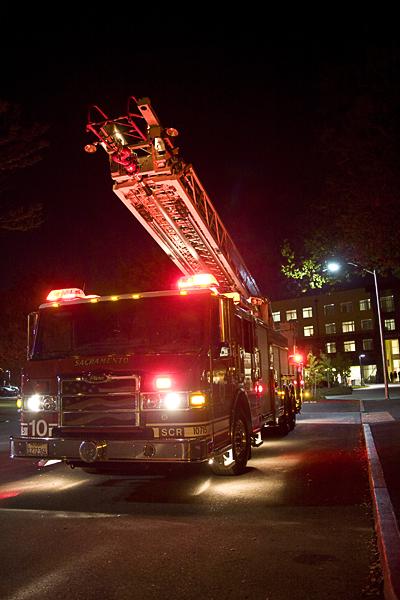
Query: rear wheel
(234, 462)
(283, 426)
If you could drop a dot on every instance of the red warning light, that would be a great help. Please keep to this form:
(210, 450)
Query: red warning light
(199, 280)
(296, 359)
(65, 294)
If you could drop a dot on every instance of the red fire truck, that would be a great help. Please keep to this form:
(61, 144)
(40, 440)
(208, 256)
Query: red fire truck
(189, 375)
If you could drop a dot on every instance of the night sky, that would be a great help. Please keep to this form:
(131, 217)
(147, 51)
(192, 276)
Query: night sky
(247, 108)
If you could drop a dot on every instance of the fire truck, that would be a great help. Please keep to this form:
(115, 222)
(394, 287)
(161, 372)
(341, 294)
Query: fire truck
(195, 374)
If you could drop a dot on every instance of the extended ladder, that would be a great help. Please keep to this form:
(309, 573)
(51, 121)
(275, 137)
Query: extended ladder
(167, 197)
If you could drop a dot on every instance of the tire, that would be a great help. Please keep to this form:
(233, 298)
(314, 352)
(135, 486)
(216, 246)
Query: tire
(283, 426)
(240, 449)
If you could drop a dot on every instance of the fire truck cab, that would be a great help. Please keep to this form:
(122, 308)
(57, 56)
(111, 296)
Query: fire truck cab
(170, 376)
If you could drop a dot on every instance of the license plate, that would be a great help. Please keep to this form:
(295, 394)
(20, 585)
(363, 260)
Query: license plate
(36, 448)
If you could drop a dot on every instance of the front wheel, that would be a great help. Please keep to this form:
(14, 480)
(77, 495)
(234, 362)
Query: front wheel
(235, 460)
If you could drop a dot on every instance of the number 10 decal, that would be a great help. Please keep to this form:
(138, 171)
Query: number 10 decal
(41, 428)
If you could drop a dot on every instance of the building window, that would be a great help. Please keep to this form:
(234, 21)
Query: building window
(367, 344)
(330, 328)
(349, 346)
(366, 323)
(330, 347)
(276, 316)
(365, 304)
(307, 312)
(346, 307)
(395, 346)
(387, 303)
(348, 326)
(291, 315)
(308, 331)
(390, 324)
(329, 309)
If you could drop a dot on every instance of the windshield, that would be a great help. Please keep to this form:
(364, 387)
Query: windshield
(159, 324)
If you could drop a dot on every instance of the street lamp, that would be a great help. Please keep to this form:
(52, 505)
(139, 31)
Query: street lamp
(334, 267)
(360, 357)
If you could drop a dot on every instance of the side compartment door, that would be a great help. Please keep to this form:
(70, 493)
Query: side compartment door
(266, 374)
(222, 370)
(250, 365)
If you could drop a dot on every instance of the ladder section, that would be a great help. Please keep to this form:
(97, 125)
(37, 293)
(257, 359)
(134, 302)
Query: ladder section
(178, 214)
(167, 198)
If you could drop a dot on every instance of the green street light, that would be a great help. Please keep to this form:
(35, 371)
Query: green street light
(335, 266)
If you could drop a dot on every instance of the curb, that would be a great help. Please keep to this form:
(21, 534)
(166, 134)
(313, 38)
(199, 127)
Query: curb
(386, 527)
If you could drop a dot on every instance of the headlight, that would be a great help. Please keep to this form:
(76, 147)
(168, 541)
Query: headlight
(38, 402)
(164, 400)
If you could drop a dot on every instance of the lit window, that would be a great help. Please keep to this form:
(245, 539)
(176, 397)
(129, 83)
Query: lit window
(291, 315)
(276, 316)
(395, 346)
(329, 309)
(387, 303)
(308, 331)
(367, 344)
(307, 312)
(349, 346)
(330, 328)
(330, 347)
(365, 304)
(346, 307)
(390, 324)
(366, 323)
(347, 326)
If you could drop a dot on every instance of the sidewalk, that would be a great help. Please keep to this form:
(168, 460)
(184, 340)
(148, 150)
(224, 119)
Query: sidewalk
(380, 421)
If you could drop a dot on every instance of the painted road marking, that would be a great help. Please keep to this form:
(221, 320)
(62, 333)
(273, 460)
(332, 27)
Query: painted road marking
(376, 417)
(348, 418)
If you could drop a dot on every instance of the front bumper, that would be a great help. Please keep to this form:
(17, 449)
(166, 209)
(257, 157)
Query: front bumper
(93, 449)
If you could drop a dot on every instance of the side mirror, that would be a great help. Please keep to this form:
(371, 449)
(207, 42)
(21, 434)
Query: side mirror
(32, 326)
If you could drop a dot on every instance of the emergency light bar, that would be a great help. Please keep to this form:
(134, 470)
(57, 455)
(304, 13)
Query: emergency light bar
(65, 294)
(197, 281)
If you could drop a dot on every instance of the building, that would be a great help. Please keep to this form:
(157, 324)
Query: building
(344, 324)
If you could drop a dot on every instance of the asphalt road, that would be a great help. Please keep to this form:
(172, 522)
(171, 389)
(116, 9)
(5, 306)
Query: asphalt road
(297, 525)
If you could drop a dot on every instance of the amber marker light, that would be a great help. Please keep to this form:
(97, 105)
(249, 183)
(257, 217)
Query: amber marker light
(197, 400)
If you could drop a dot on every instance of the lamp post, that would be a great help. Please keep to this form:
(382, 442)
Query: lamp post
(360, 357)
(334, 267)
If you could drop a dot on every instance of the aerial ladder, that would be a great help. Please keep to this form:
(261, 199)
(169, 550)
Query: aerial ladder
(166, 196)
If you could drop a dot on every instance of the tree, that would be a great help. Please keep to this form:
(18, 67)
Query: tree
(313, 372)
(327, 368)
(305, 273)
(357, 175)
(342, 364)
(21, 146)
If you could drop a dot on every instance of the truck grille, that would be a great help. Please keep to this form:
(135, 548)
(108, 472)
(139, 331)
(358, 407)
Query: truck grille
(99, 401)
